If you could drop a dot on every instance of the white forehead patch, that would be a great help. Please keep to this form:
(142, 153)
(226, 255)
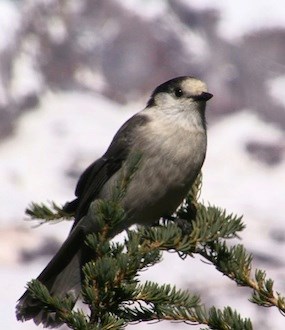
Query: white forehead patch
(194, 86)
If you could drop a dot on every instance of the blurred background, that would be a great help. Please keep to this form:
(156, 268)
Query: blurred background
(71, 72)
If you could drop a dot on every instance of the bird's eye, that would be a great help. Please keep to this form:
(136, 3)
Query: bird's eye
(178, 92)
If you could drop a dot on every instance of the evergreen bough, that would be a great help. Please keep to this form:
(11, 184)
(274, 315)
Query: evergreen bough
(112, 290)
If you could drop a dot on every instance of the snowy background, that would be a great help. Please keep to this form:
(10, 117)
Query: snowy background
(71, 72)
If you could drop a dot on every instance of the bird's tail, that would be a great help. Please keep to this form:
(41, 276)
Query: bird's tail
(62, 277)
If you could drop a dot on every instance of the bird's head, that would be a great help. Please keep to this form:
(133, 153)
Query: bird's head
(184, 97)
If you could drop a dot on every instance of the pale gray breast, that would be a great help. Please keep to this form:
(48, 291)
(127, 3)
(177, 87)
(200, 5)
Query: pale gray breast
(170, 163)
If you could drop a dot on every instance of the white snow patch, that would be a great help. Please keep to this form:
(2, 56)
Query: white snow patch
(27, 79)
(9, 23)
(46, 144)
(238, 18)
(235, 181)
(277, 87)
(146, 8)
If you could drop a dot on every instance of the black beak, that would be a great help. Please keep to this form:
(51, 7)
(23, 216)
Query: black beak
(204, 96)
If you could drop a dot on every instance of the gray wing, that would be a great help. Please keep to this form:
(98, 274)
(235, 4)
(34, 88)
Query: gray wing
(98, 173)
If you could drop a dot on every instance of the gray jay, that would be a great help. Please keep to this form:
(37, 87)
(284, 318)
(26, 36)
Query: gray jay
(170, 135)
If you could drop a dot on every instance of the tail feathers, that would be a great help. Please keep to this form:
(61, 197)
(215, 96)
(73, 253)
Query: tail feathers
(62, 277)
(66, 283)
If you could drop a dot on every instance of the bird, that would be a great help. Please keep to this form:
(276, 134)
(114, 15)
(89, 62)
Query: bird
(170, 137)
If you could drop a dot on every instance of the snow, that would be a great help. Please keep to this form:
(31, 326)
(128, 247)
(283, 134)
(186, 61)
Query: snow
(47, 141)
(235, 181)
(240, 17)
(236, 18)
(8, 13)
(150, 9)
(27, 79)
(276, 87)
(228, 161)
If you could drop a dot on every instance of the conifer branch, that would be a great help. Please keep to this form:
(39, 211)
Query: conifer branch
(47, 212)
(236, 263)
(111, 285)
